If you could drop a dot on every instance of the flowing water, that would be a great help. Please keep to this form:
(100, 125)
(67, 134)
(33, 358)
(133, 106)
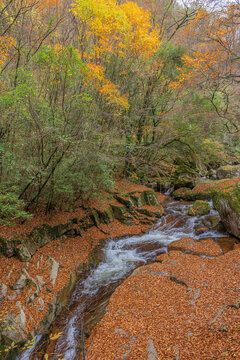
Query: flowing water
(119, 257)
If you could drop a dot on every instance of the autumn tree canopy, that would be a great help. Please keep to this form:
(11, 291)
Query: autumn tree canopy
(93, 88)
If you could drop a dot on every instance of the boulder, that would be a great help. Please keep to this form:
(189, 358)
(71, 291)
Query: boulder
(121, 214)
(228, 171)
(227, 203)
(184, 176)
(200, 207)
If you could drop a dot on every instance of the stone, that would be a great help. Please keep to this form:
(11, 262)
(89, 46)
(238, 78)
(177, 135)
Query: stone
(154, 214)
(41, 304)
(54, 270)
(7, 246)
(228, 171)
(150, 198)
(227, 203)
(106, 216)
(200, 207)
(95, 218)
(128, 203)
(20, 283)
(3, 292)
(212, 222)
(120, 213)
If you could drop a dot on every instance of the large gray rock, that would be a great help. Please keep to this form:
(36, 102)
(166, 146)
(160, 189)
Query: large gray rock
(227, 203)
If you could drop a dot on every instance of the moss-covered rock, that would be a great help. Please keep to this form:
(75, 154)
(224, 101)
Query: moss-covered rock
(200, 207)
(227, 203)
(105, 216)
(184, 176)
(228, 171)
(121, 214)
(150, 198)
(126, 201)
(203, 190)
(25, 246)
(154, 214)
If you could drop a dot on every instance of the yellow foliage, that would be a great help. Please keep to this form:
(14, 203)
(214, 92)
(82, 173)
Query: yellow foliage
(117, 28)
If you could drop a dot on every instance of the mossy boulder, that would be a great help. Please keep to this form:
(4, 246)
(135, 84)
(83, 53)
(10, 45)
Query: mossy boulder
(228, 171)
(150, 198)
(184, 176)
(126, 201)
(102, 216)
(146, 197)
(200, 207)
(227, 203)
(203, 190)
(121, 214)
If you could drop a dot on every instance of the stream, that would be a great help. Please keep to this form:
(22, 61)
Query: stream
(118, 259)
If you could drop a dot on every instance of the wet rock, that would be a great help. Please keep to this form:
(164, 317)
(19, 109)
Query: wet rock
(228, 171)
(211, 222)
(227, 203)
(138, 199)
(200, 230)
(200, 207)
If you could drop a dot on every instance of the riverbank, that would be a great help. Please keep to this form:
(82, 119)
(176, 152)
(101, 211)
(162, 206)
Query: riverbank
(33, 292)
(182, 306)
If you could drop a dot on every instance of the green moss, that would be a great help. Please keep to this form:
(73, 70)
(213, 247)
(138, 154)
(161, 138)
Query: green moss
(199, 208)
(232, 196)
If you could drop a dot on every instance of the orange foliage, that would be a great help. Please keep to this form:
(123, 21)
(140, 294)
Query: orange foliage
(6, 43)
(214, 37)
(106, 88)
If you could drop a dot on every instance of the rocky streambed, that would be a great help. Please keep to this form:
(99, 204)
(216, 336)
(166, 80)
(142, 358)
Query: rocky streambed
(175, 296)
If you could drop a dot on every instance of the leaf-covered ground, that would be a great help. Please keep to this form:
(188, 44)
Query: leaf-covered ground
(181, 307)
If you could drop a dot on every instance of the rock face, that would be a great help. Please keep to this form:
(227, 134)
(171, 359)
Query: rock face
(127, 208)
(25, 246)
(227, 204)
(228, 171)
(200, 207)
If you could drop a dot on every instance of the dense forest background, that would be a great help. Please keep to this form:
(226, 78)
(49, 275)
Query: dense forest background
(94, 89)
